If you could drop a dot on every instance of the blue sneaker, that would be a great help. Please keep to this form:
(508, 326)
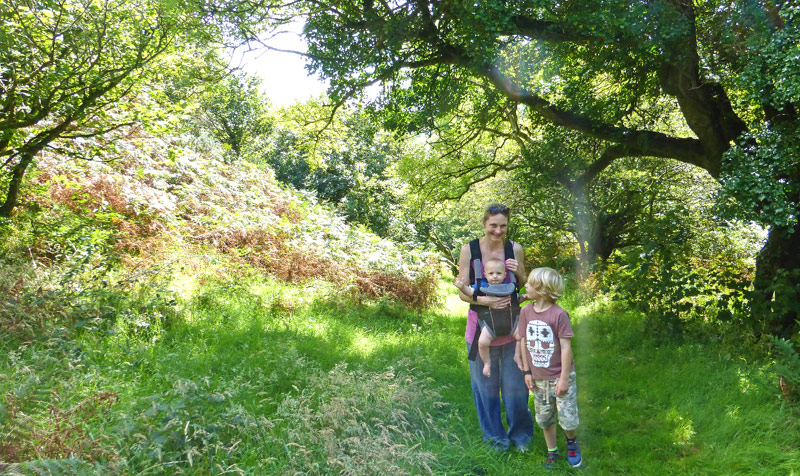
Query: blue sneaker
(552, 457)
(573, 453)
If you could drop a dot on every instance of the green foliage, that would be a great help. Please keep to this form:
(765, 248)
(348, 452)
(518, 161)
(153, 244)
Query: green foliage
(788, 368)
(53, 467)
(355, 422)
(66, 66)
(236, 114)
(685, 284)
(757, 180)
(348, 164)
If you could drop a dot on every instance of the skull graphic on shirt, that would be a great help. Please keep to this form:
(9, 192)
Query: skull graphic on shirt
(541, 343)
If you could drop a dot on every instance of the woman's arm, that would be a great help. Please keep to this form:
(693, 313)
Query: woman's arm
(517, 265)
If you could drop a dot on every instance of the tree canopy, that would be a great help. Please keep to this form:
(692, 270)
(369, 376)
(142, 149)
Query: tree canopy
(709, 84)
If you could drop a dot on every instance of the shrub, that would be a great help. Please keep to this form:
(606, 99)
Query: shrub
(788, 368)
(677, 281)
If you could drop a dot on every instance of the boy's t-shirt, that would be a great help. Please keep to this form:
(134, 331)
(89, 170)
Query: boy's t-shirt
(542, 331)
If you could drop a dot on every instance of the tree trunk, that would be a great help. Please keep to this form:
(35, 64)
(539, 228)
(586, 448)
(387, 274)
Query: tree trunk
(584, 225)
(776, 287)
(13, 186)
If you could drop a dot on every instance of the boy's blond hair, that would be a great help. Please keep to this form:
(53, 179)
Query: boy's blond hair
(548, 280)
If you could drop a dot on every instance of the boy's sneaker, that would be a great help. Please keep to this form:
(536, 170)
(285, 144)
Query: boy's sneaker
(552, 457)
(573, 453)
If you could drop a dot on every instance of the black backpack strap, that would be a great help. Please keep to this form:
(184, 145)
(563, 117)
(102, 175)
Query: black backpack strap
(475, 255)
(475, 268)
(509, 250)
(473, 348)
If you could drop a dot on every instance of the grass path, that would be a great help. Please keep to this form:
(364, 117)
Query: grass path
(241, 385)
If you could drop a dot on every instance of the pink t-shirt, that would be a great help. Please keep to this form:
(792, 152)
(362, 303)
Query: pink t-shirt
(542, 331)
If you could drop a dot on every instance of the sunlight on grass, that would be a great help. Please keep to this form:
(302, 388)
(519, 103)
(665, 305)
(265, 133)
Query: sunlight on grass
(184, 286)
(452, 303)
(682, 431)
(364, 345)
(744, 381)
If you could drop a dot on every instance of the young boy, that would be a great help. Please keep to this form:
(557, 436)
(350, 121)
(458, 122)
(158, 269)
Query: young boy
(547, 362)
(496, 321)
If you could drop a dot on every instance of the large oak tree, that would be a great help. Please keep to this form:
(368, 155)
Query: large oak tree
(614, 70)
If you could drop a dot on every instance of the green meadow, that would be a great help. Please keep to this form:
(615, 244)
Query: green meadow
(254, 376)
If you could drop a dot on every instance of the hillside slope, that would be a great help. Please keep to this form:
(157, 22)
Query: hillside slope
(154, 201)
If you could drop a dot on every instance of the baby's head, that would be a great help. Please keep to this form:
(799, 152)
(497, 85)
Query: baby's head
(495, 271)
(546, 282)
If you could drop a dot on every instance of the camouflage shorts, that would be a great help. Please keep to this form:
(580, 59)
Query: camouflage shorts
(546, 403)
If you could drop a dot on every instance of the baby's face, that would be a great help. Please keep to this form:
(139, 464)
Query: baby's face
(495, 274)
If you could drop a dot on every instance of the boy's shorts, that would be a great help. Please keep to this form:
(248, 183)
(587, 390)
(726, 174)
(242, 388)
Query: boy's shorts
(546, 402)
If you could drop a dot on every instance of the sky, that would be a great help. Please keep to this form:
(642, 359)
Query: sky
(284, 77)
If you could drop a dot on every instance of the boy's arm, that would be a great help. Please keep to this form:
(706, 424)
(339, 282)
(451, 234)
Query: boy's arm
(519, 354)
(526, 369)
(566, 365)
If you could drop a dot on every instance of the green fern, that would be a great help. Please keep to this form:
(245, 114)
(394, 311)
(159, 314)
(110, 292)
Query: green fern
(788, 367)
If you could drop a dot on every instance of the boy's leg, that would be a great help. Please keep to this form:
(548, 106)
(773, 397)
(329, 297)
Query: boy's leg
(568, 408)
(484, 341)
(550, 437)
(568, 419)
(544, 403)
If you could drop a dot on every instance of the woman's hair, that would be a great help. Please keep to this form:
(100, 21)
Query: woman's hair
(495, 209)
(548, 280)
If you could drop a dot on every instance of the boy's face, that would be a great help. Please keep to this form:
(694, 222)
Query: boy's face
(535, 291)
(495, 273)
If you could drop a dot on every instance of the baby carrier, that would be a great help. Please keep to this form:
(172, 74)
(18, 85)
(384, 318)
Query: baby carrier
(500, 322)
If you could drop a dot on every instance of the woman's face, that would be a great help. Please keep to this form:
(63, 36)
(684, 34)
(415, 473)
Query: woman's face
(496, 226)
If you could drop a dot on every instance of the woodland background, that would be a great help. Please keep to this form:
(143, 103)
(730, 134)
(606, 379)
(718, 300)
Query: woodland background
(196, 281)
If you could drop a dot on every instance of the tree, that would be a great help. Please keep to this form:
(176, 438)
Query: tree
(63, 65)
(236, 113)
(347, 162)
(610, 70)
(70, 70)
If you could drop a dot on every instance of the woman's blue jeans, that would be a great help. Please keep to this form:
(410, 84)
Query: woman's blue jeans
(508, 383)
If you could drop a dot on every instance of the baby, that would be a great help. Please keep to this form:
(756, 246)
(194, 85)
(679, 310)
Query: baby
(493, 322)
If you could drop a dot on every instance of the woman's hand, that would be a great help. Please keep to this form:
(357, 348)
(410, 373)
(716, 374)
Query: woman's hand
(512, 265)
(495, 302)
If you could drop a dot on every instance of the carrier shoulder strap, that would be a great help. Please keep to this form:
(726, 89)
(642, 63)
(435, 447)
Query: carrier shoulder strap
(510, 255)
(475, 270)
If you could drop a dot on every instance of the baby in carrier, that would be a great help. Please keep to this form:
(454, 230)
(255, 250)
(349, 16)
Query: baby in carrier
(493, 322)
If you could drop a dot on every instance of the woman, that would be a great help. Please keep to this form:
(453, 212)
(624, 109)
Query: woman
(505, 378)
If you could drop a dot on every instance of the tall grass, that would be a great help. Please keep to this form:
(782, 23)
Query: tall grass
(246, 375)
